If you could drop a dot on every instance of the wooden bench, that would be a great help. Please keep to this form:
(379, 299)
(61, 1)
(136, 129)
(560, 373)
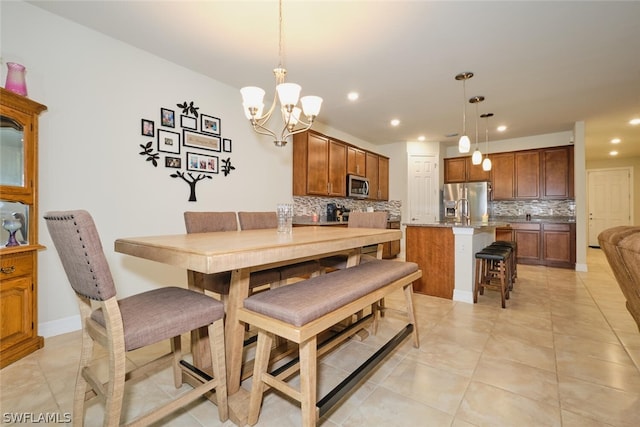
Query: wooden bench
(301, 311)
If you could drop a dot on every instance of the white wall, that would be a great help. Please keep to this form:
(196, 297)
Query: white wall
(97, 90)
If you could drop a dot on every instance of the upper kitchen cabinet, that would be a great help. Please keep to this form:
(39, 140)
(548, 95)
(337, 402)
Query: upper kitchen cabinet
(502, 176)
(377, 172)
(319, 165)
(460, 169)
(557, 172)
(356, 161)
(527, 174)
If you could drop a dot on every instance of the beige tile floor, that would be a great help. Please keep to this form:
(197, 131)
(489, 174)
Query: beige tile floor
(564, 352)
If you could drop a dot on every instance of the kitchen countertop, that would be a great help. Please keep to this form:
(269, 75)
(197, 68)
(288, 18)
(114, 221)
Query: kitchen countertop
(536, 219)
(451, 224)
(308, 220)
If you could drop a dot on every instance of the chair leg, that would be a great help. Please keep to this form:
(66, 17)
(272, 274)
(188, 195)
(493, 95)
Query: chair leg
(503, 287)
(86, 355)
(375, 312)
(115, 387)
(308, 381)
(176, 349)
(261, 362)
(476, 286)
(411, 313)
(216, 341)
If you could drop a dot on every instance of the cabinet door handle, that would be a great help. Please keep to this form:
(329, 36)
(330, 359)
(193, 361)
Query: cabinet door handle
(8, 270)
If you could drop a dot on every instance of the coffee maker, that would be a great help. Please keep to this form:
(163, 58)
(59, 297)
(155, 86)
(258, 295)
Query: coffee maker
(332, 212)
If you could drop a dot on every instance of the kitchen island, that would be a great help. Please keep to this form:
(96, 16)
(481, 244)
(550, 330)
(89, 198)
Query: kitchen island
(445, 251)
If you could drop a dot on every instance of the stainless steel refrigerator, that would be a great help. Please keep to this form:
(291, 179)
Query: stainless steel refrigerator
(471, 197)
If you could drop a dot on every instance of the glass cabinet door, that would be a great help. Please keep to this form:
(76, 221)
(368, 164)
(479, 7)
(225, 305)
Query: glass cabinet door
(12, 152)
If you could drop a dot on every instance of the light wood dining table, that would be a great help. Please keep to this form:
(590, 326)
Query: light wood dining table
(242, 252)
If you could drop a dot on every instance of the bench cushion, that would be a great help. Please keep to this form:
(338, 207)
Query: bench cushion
(304, 301)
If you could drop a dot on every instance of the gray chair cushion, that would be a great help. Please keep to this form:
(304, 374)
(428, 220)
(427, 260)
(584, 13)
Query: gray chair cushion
(304, 301)
(163, 313)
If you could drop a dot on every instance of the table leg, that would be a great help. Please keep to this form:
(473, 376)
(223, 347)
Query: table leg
(200, 349)
(234, 329)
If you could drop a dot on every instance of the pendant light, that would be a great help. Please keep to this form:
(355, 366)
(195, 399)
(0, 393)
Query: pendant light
(464, 144)
(476, 159)
(486, 163)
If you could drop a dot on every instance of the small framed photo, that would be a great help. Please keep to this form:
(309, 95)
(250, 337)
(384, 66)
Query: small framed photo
(200, 140)
(148, 128)
(173, 162)
(168, 142)
(188, 122)
(226, 145)
(209, 124)
(202, 163)
(167, 118)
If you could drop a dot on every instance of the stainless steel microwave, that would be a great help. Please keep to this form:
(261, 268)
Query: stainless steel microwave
(357, 186)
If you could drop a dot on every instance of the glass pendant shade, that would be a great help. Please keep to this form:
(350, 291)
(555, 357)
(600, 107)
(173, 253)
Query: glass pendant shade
(486, 164)
(464, 145)
(311, 105)
(476, 159)
(288, 93)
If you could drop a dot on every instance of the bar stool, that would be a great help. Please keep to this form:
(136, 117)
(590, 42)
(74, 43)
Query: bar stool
(513, 258)
(493, 272)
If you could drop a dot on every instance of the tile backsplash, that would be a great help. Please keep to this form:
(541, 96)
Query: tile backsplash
(539, 208)
(306, 206)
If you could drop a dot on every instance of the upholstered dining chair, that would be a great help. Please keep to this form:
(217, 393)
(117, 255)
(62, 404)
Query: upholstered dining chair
(204, 222)
(263, 220)
(123, 325)
(358, 220)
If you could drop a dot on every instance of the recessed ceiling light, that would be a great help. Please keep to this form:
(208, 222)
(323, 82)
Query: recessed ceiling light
(635, 121)
(395, 122)
(616, 141)
(613, 153)
(421, 138)
(353, 96)
(501, 128)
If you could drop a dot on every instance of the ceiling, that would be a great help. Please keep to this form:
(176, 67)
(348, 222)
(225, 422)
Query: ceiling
(541, 66)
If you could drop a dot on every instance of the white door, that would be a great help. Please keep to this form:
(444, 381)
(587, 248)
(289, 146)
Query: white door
(609, 200)
(424, 201)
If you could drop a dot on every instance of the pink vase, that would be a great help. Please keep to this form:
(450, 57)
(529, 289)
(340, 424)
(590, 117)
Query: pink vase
(15, 79)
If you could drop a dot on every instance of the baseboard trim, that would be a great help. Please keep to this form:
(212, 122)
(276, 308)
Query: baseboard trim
(60, 326)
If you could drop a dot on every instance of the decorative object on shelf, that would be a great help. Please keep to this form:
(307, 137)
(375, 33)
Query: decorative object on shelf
(464, 144)
(486, 163)
(16, 82)
(476, 159)
(287, 93)
(11, 225)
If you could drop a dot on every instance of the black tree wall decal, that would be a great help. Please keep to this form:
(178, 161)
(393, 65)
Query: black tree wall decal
(192, 181)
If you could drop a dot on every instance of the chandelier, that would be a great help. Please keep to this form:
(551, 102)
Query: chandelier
(287, 94)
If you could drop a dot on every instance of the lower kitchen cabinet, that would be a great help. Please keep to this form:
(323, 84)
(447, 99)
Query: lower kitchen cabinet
(550, 244)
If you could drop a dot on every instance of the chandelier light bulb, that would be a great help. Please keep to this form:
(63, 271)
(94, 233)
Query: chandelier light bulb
(311, 106)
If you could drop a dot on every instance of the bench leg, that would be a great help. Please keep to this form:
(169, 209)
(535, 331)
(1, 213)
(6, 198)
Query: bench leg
(261, 362)
(308, 381)
(375, 312)
(408, 298)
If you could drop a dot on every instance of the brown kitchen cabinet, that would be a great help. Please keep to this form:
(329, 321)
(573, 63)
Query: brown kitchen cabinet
(557, 172)
(527, 174)
(19, 193)
(461, 169)
(433, 249)
(383, 178)
(550, 244)
(355, 161)
(559, 245)
(502, 176)
(377, 172)
(319, 165)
